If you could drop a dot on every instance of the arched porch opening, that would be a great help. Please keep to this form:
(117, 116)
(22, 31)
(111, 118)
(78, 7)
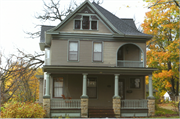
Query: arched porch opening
(130, 55)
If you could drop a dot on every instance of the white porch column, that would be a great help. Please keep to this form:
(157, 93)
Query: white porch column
(84, 91)
(116, 98)
(116, 91)
(150, 87)
(151, 98)
(84, 98)
(47, 94)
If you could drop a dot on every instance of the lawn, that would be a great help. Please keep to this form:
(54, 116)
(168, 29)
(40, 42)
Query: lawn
(165, 113)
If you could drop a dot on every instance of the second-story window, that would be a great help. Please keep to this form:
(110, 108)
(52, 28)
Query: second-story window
(97, 51)
(73, 51)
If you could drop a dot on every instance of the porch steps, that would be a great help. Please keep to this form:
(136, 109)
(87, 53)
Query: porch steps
(101, 113)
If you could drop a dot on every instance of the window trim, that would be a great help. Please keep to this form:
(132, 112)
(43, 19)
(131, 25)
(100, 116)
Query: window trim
(90, 22)
(96, 86)
(68, 50)
(53, 87)
(102, 44)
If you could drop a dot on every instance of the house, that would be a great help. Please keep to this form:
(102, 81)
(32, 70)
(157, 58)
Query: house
(95, 66)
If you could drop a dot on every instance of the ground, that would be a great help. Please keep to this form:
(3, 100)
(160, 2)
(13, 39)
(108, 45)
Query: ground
(168, 106)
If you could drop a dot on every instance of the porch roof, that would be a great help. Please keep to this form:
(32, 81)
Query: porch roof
(64, 69)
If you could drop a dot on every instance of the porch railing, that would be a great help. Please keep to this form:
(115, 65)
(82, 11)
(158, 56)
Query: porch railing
(66, 104)
(128, 63)
(134, 104)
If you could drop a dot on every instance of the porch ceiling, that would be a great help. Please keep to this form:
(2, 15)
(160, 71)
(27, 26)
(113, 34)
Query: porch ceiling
(62, 69)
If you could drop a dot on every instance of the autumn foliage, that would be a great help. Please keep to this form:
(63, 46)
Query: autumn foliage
(22, 110)
(162, 21)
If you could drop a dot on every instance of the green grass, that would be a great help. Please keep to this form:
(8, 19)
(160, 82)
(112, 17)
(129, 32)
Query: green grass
(165, 117)
(166, 111)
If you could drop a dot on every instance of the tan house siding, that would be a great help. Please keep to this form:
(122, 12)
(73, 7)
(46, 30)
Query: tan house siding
(69, 27)
(60, 52)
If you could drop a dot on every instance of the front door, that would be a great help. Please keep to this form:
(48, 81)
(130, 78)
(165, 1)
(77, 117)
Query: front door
(121, 88)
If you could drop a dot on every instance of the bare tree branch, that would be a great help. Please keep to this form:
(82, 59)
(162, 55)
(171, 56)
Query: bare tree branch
(17, 72)
(164, 3)
(53, 11)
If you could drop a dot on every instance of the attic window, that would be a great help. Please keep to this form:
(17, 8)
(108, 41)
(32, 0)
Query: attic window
(85, 22)
(77, 24)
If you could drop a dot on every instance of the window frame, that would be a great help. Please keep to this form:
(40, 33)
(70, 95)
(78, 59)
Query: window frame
(60, 87)
(90, 22)
(68, 53)
(92, 87)
(101, 51)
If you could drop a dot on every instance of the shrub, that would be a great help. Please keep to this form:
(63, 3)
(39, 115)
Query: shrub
(22, 110)
(159, 113)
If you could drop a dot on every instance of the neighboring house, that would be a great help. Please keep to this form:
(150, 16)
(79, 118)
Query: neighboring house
(95, 66)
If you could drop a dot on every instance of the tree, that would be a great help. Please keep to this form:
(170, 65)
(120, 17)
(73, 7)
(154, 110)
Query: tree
(54, 12)
(18, 76)
(163, 49)
(158, 2)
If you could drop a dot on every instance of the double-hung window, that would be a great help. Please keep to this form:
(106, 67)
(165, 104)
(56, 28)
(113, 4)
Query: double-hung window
(57, 87)
(73, 51)
(97, 51)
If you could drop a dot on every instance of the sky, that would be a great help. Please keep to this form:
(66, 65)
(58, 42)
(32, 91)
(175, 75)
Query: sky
(17, 16)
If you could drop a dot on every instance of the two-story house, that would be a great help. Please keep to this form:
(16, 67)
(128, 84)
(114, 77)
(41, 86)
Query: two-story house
(95, 66)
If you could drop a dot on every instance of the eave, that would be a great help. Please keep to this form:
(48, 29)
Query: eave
(62, 69)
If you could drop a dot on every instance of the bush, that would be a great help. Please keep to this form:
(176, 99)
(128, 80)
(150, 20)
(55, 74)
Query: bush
(159, 113)
(22, 110)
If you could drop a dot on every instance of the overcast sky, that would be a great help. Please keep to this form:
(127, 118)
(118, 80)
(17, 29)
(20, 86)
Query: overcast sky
(17, 16)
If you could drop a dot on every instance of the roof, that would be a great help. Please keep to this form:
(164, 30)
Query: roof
(98, 70)
(124, 27)
(43, 29)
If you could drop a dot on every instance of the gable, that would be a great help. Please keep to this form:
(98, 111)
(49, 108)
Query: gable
(79, 16)
(119, 27)
(86, 9)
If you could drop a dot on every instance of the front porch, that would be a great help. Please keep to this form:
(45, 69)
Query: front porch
(91, 92)
(129, 108)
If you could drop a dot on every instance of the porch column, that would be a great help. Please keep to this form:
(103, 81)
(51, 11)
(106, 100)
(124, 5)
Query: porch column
(116, 91)
(84, 98)
(46, 98)
(116, 97)
(84, 86)
(47, 85)
(151, 98)
(150, 87)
